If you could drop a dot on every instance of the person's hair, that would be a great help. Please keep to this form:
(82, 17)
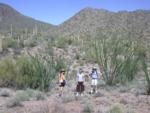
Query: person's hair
(80, 70)
(62, 70)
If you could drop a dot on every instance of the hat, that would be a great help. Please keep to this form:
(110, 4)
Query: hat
(94, 68)
(80, 70)
(62, 70)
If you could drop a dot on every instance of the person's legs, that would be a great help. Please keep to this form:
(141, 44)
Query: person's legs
(82, 88)
(94, 86)
(60, 92)
(61, 89)
(77, 89)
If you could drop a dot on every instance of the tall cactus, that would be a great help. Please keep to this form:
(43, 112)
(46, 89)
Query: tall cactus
(1, 48)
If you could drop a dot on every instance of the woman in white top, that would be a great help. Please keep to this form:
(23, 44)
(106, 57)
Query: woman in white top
(80, 82)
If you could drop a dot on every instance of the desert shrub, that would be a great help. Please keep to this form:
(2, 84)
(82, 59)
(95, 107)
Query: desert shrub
(145, 67)
(13, 102)
(9, 43)
(77, 56)
(117, 58)
(88, 109)
(39, 95)
(17, 99)
(143, 53)
(5, 93)
(24, 95)
(8, 72)
(69, 41)
(31, 42)
(60, 64)
(36, 72)
(115, 109)
(27, 71)
(61, 42)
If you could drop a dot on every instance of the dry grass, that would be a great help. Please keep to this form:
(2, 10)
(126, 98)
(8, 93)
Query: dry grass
(58, 109)
(68, 98)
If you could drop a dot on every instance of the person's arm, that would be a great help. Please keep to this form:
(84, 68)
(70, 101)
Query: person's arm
(100, 75)
(90, 75)
(58, 79)
(77, 78)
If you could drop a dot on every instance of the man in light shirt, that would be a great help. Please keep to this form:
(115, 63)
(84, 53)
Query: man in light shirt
(80, 83)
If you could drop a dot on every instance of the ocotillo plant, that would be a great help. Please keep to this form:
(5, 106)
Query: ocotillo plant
(36, 72)
(144, 56)
(117, 58)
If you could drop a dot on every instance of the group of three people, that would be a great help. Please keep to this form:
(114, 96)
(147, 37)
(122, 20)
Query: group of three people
(80, 81)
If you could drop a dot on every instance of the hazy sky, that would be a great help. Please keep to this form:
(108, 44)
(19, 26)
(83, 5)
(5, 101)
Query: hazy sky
(57, 11)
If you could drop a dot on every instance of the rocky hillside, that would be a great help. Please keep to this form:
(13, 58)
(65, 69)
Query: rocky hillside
(90, 21)
(87, 22)
(12, 19)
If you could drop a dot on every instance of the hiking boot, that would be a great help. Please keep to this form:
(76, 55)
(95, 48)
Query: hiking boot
(77, 94)
(96, 91)
(60, 95)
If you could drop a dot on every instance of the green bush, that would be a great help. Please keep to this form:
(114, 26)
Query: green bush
(9, 43)
(5, 93)
(8, 72)
(24, 95)
(31, 42)
(60, 64)
(13, 102)
(36, 73)
(144, 68)
(118, 58)
(61, 42)
(27, 71)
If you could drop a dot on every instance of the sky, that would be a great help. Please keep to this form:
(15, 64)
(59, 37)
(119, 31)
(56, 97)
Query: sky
(57, 11)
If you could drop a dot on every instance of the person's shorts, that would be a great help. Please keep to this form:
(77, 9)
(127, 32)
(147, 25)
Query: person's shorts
(94, 82)
(80, 87)
(62, 84)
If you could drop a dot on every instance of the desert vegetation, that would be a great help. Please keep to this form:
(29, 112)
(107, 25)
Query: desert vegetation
(32, 56)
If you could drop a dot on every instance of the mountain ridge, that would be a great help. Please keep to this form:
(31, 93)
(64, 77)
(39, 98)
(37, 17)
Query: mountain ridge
(88, 21)
(9, 17)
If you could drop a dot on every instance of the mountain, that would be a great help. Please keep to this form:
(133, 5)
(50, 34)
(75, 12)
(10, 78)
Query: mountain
(91, 21)
(87, 22)
(12, 19)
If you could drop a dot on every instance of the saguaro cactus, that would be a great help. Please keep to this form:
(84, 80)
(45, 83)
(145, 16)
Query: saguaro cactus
(1, 48)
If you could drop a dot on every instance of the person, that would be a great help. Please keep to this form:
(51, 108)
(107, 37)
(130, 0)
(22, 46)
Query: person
(94, 76)
(80, 83)
(62, 81)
